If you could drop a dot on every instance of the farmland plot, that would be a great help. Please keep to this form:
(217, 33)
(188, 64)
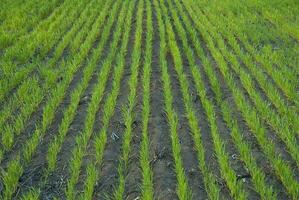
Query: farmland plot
(149, 99)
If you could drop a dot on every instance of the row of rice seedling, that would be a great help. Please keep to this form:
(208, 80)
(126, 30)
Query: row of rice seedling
(279, 123)
(18, 124)
(128, 110)
(244, 77)
(98, 90)
(50, 73)
(284, 77)
(49, 34)
(109, 106)
(283, 23)
(25, 47)
(290, 116)
(269, 88)
(38, 92)
(31, 195)
(255, 15)
(264, 9)
(83, 23)
(282, 169)
(12, 16)
(8, 6)
(21, 97)
(18, 22)
(227, 172)
(47, 72)
(69, 114)
(258, 176)
(96, 98)
(15, 167)
(285, 82)
(276, 37)
(147, 191)
(183, 190)
(5, 8)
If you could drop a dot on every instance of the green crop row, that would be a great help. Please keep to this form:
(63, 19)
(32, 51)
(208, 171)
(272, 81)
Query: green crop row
(225, 169)
(147, 174)
(21, 20)
(268, 56)
(234, 63)
(244, 149)
(49, 34)
(279, 123)
(282, 168)
(269, 88)
(98, 91)
(30, 104)
(49, 74)
(183, 190)
(48, 112)
(128, 110)
(109, 106)
(69, 113)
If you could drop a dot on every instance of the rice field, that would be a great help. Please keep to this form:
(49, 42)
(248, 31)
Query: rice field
(149, 99)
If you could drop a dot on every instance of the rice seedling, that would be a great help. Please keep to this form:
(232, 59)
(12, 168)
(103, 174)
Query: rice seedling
(69, 114)
(128, 109)
(183, 190)
(82, 140)
(244, 149)
(147, 174)
(200, 99)
(252, 118)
